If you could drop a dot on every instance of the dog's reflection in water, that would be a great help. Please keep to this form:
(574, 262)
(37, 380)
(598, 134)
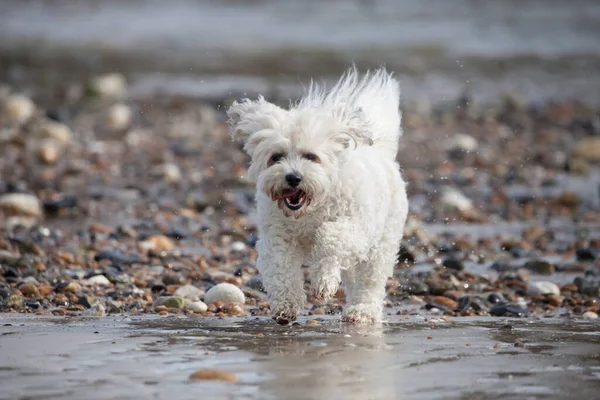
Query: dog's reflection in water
(354, 364)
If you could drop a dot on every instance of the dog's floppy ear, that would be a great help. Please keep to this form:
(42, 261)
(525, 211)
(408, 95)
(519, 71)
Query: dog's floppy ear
(247, 117)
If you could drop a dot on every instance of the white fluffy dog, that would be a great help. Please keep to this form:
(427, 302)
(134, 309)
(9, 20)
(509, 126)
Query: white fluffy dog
(329, 192)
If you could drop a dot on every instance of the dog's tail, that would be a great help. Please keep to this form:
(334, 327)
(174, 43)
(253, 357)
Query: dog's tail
(371, 101)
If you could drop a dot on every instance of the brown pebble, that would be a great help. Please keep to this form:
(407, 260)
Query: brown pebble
(158, 243)
(29, 290)
(213, 375)
(235, 309)
(312, 322)
(48, 153)
(554, 300)
(99, 228)
(429, 337)
(496, 346)
(571, 287)
(444, 301)
(160, 308)
(164, 312)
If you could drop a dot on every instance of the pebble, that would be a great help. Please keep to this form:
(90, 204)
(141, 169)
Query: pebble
(509, 310)
(56, 131)
(495, 298)
(19, 108)
(238, 246)
(69, 287)
(171, 302)
(118, 117)
(454, 199)
(463, 142)
(189, 292)
(109, 85)
(48, 152)
(97, 280)
(29, 290)
(213, 375)
(445, 302)
(454, 264)
(589, 315)
(540, 267)
(587, 149)
(256, 283)
(116, 257)
(158, 243)
(21, 204)
(168, 171)
(7, 257)
(97, 310)
(225, 292)
(542, 287)
(585, 254)
(197, 306)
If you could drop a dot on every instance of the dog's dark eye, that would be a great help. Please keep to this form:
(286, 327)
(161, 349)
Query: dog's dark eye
(312, 157)
(275, 158)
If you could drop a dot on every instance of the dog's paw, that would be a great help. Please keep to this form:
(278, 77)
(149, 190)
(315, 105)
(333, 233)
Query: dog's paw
(361, 315)
(284, 317)
(324, 289)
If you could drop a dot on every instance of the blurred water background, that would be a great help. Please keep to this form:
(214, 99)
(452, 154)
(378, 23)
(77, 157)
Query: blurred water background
(538, 49)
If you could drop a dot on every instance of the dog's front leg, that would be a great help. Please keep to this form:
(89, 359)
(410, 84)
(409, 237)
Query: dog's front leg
(280, 265)
(337, 246)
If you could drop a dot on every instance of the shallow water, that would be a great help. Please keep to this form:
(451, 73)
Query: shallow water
(539, 49)
(147, 357)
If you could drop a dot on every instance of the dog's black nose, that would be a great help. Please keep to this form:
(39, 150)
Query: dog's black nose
(293, 179)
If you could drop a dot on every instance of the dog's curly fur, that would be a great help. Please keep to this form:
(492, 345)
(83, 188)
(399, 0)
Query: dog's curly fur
(329, 192)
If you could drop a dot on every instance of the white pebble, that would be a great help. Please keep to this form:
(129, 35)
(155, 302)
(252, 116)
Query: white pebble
(589, 315)
(463, 142)
(455, 199)
(225, 292)
(57, 131)
(110, 85)
(197, 306)
(19, 108)
(238, 246)
(21, 204)
(542, 287)
(169, 172)
(99, 280)
(118, 117)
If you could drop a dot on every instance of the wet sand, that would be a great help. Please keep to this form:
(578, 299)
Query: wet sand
(123, 357)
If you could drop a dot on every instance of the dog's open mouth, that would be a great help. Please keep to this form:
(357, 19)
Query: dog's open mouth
(293, 199)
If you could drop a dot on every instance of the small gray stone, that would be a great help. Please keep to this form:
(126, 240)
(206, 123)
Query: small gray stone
(189, 292)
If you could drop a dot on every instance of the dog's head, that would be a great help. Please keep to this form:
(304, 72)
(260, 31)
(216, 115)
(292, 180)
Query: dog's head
(295, 153)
